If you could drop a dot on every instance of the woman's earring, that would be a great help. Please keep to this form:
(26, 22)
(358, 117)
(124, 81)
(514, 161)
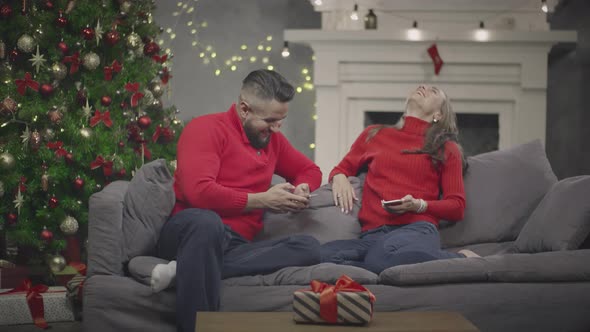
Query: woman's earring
(435, 120)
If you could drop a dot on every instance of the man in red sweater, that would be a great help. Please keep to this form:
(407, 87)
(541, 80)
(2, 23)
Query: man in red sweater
(223, 186)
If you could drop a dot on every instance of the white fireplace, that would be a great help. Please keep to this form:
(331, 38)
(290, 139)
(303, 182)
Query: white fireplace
(357, 71)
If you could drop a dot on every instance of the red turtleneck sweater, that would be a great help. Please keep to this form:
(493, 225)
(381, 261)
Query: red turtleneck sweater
(217, 167)
(392, 175)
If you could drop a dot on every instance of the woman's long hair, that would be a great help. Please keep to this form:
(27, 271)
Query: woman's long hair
(436, 136)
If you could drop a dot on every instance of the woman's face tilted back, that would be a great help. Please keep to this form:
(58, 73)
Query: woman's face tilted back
(426, 103)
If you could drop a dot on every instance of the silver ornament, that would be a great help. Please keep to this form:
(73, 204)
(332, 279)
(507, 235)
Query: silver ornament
(59, 71)
(134, 41)
(48, 134)
(86, 132)
(57, 263)
(156, 88)
(147, 98)
(125, 7)
(26, 43)
(69, 226)
(91, 61)
(7, 161)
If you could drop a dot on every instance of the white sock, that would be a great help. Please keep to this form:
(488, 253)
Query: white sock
(162, 276)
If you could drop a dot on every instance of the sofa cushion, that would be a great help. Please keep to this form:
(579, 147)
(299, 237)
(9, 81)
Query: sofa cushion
(322, 220)
(562, 219)
(147, 204)
(502, 189)
(560, 266)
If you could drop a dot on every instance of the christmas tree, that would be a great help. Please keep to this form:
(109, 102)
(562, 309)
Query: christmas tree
(80, 107)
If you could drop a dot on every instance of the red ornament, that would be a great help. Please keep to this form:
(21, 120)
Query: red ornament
(121, 144)
(112, 37)
(46, 90)
(53, 202)
(123, 105)
(78, 183)
(151, 48)
(105, 101)
(122, 172)
(11, 218)
(14, 55)
(48, 5)
(46, 235)
(63, 47)
(5, 11)
(144, 122)
(88, 33)
(61, 21)
(69, 157)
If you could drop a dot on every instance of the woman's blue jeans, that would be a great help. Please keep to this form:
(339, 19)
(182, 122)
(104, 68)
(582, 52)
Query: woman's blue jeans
(206, 251)
(387, 246)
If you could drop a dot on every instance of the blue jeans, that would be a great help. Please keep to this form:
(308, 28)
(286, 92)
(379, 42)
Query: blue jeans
(387, 246)
(207, 251)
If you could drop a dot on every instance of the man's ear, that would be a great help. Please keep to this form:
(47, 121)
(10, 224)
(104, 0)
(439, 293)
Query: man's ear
(243, 109)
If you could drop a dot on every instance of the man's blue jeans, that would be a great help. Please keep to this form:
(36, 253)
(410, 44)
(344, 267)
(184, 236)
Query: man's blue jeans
(206, 251)
(387, 246)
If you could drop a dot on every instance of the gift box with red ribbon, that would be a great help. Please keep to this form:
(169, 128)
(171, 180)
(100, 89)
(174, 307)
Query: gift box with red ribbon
(346, 302)
(28, 304)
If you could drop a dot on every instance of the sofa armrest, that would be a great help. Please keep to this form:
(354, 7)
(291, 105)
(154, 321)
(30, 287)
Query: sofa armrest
(105, 233)
(555, 266)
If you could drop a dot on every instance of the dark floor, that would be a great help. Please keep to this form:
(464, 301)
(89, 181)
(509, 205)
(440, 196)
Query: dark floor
(57, 327)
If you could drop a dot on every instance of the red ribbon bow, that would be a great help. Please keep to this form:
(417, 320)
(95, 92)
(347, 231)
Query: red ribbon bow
(57, 146)
(136, 96)
(165, 76)
(160, 59)
(147, 154)
(328, 300)
(104, 117)
(27, 81)
(165, 132)
(113, 68)
(74, 60)
(34, 301)
(107, 165)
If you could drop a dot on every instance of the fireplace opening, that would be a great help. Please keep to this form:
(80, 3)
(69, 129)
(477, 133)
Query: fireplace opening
(478, 133)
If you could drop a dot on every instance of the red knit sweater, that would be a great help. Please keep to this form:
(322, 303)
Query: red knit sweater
(392, 175)
(217, 168)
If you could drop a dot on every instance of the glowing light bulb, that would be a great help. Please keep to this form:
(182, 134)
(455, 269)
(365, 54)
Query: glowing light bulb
(285, 53)
(355, 15)
(312, 146)
(544, 7)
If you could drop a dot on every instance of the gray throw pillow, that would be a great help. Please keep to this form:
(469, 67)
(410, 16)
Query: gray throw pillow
(147, 204)
(562, 219)
(502, 189)
(322, 220)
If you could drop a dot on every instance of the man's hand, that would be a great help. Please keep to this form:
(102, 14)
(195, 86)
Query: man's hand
(279, 198)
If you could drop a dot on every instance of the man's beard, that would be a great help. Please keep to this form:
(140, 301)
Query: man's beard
(254, 137)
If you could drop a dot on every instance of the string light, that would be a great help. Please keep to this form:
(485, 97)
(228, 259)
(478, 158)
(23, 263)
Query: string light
(317, 2)
(285, 53)
(355, 15)
(414, 34)
(482, 34)
(544, 7)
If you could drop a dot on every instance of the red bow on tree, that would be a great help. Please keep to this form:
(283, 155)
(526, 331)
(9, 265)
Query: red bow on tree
(136, 96)
(104, 117)
(107, 165)
(34, 301)
(27, 81)
(165, 75)
(165, 132)
(74, 60)
(160, 59)
(57, 146)
(147, 154)
(115, 67)
(328, 301)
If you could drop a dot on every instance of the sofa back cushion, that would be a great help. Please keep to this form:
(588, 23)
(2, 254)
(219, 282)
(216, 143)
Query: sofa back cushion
(322, 220)
(562, 219)
(502, 189)
(147, 204)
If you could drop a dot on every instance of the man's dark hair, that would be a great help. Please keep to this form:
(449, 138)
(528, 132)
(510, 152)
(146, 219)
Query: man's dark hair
(268, 85)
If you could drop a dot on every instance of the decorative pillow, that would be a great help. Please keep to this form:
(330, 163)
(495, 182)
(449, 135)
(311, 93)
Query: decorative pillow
(322, 220)
(147, 204)
(562, 219)
(502, 189)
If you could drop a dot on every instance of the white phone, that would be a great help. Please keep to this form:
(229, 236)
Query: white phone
(392, 202)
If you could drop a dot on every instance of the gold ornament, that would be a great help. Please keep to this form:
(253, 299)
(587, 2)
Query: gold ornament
(35, 140)
(91, 61)
(8, 106)
(134, 41)
(26, 43)
(125, 7)
(57, 263)
(7, 161)
(45, 182)
(55, 115)
(86, 132)
(69, 226)
(59, 71)
(156, 88)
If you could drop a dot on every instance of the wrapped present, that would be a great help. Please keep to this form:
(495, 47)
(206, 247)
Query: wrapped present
(75, 291)
(346, 302)
(38, 304)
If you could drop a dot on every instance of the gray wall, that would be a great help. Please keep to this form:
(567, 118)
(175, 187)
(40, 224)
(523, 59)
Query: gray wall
(197, 91)
(568, 112)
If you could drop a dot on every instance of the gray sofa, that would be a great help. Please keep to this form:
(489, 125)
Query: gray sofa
(530, 228)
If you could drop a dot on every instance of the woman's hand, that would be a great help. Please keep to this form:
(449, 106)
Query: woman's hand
(343, 193)
(410, 204)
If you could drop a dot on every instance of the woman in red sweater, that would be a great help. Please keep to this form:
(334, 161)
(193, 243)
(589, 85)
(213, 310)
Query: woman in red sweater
(418, 162)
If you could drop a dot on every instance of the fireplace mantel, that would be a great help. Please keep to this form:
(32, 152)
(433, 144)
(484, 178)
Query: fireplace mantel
(502, 72)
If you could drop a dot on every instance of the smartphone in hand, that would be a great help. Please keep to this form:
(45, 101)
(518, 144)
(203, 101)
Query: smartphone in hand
(394, 202)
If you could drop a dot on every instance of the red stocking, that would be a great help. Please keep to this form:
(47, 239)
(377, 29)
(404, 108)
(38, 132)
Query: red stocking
(436, 59)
